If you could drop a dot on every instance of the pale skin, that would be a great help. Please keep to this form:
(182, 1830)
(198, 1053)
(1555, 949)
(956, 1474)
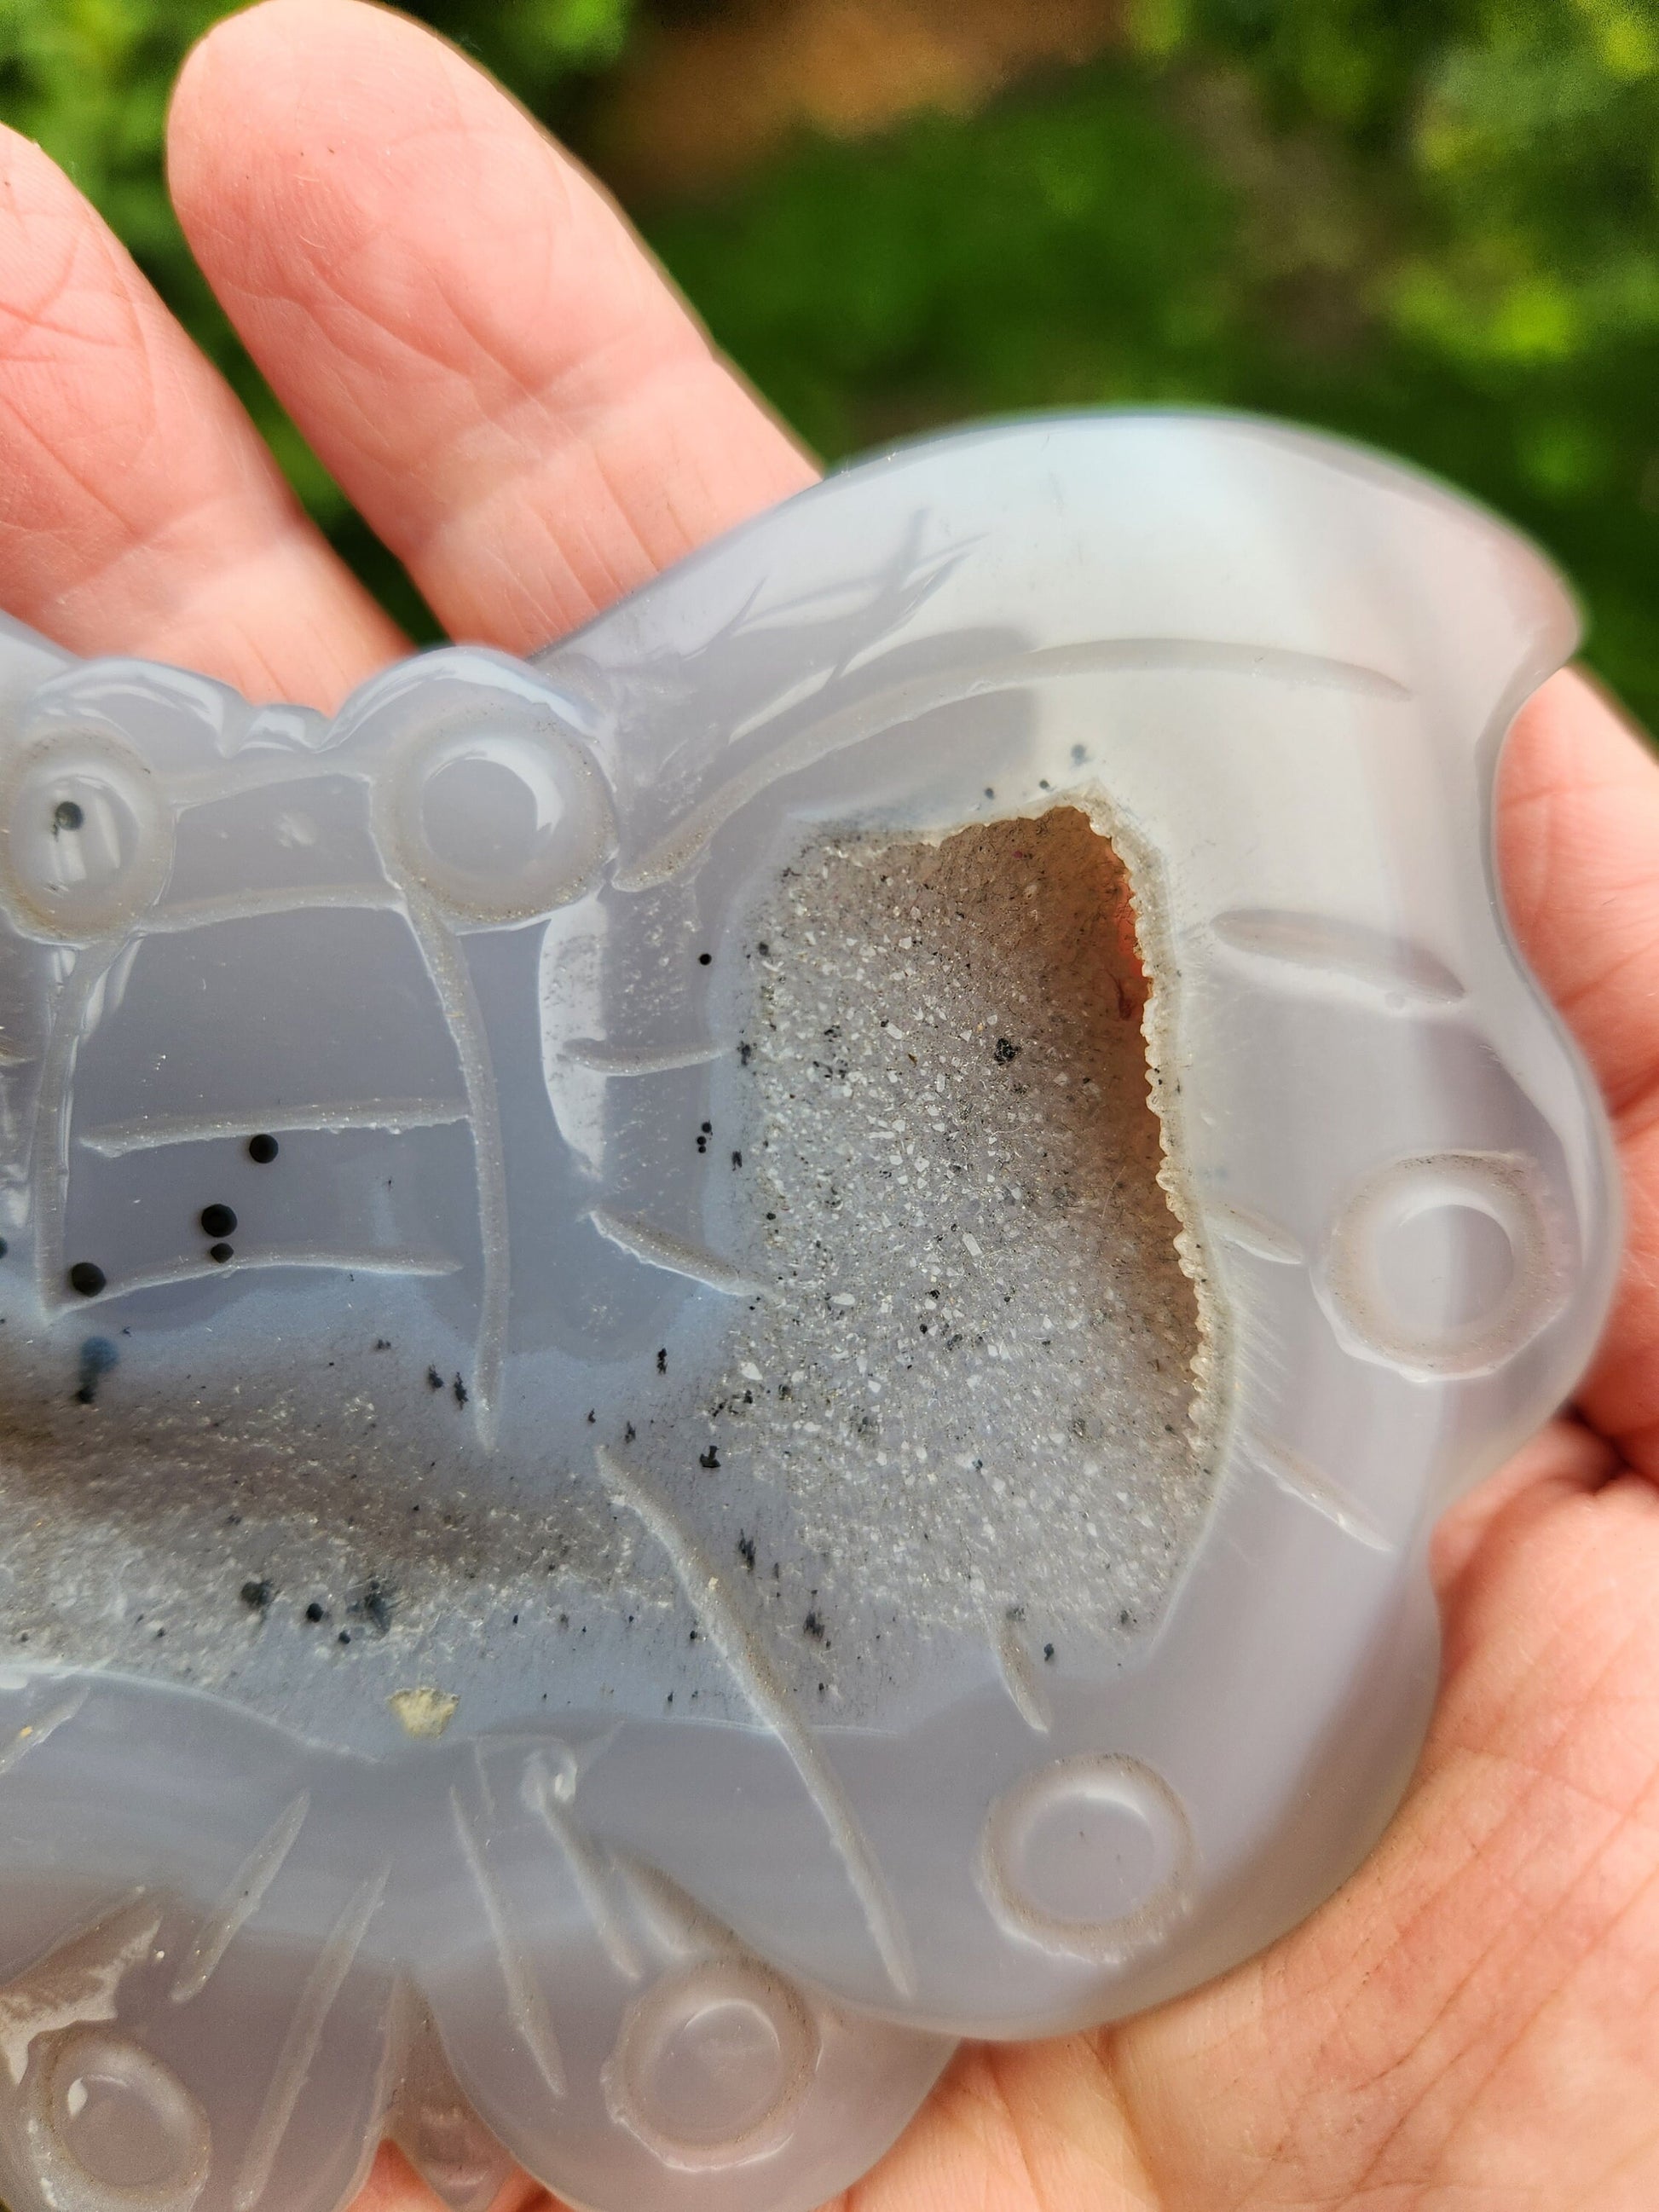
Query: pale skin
(499, 377)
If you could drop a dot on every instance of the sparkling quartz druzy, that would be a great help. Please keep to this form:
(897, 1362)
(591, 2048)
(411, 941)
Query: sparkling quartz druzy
(644, 1473)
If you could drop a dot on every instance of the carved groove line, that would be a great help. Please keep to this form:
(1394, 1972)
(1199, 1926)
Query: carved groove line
(50, 1151)
(242, 1897)
(305, 2034)
(606, 1059)
(1324, 945)
(587, 1871)
(447, 964)
(1020, 1676)
(189, 915)
(356, 1263)
(920, 695)
(525, 2004)
(656, 1247)
(1298, 1480)
(33, 1733)
(1255, 1234)
(155, 1131)
(707, 1596)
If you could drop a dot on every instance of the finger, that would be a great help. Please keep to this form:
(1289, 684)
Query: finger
(471, 339)
(1579, 856)
(1578, 853)
(394, 2185)
(1566, 1460)
(140, 511)
(1473, 2018)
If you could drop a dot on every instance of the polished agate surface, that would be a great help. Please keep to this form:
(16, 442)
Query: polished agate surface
(730, 1353)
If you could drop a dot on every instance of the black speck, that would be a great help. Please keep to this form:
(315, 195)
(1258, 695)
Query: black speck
(662, 1361)
(86, 1276)
(628, 1432)
(315, 1613)
(218, 1221)
(383, 1344)
(345, 1636)
(813, 1627)
(590, 1417)
(745, 1054)
(710, 1459)
(2, 1248)
(703, 959)
(1078, 756)
(1007, 1050)
(375, 1605)
(763, 948)
(98, 1356)
(262, 1150)
(258, 1595)
(708, 1129)
(703, 1144)
(1049, 1651)
(221, 1252)
(746, 1551)
(433, 1380)
(737, 1160)
(458, 1391)
(989, 792)
(66, 815)
(1042, 783)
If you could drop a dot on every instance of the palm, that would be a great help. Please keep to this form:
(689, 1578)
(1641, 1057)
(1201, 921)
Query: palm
(495, 374)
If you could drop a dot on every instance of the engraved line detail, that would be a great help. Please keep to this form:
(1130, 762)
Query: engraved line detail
(605, 1058)
(714, 1606)
(677, 1920)
(1325, 944)
(447, 964)
(1296, 1477)
(526, 2006)
(356, 1263)
(151, 1131)
(588, 1869)
(242, 1897)
(305, 2034)
(49, 1148)
(920, 695)
(1020, 1676)
(657, 1248)
(1254, 1233)
(33, 1733)
(246, 906)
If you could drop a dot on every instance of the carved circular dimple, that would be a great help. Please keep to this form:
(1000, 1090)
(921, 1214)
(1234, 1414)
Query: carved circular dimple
(499, 820)
(712, 2064)
(1090, 1856)
(1447, 1263)
(111, 2126)
(86, 841)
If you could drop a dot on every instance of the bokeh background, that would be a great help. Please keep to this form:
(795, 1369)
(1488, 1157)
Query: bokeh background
(1430, 223)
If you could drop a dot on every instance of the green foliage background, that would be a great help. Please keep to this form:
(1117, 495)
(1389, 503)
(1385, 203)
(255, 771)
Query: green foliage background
(1433, 224)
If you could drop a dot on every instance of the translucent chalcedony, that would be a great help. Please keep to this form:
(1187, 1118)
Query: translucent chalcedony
(731, 1352)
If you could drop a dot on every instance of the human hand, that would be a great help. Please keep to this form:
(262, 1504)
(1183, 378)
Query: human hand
(494, 373)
